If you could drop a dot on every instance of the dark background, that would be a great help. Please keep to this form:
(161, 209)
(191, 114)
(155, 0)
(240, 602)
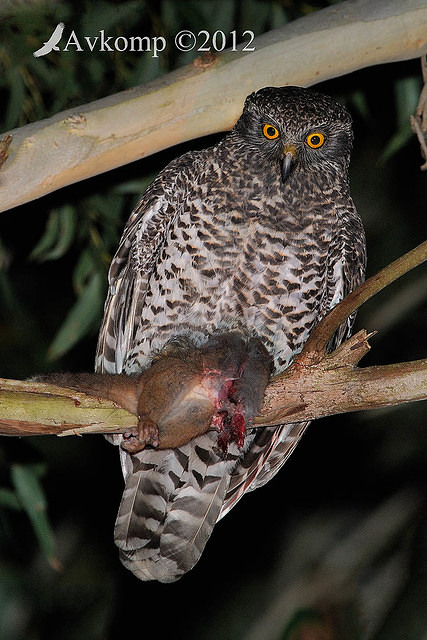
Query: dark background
(349, 501)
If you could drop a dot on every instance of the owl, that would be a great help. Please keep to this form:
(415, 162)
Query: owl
(257, 237)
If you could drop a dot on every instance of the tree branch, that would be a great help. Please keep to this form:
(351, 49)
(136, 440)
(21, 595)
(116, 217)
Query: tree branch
(316, 384)
(324, 330)
(336, 385)
(319, 384)
(83, 142)
(34, 408)
(419, 120)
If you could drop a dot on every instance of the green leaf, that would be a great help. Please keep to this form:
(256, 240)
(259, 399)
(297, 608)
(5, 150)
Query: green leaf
(48, 238)
(82, 271)
(396, 143)
(16, 98)
(103, 15)
(146, 68)
(407, 91)
(58, 235)
(359, 102)
(80, 319)
(9, 500)
(67, 227)
(279, 17)
(134, 187)
(254, 16)
(32, 498)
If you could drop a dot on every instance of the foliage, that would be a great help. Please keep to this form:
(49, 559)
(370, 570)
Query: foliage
(54, 256)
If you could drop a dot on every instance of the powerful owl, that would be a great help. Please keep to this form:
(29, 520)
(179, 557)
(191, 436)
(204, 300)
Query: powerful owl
(257, 237)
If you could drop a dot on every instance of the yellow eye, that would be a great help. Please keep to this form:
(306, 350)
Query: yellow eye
(270, 132)
(315, 140)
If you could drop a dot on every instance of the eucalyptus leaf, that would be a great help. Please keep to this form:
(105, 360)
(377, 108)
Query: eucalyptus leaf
(48, 238)
(31, 495)
(58, 235)
(84, 267)
(103, 15)
(279, 17)
(9, 499)
(358, 100)
(16, 98)
(407, 91)
(67, 228)
(254, 16)
(395, 143)
(80, 319)
(134, 186)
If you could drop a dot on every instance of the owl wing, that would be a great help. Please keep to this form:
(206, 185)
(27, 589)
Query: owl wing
(131, 268)
(128, 279)
(346, 272)
(272, 446)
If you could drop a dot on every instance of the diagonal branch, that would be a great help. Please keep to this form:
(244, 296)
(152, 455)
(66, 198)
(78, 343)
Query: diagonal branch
(319, 384)
(419, 120)
(316, 384)
(324, 330)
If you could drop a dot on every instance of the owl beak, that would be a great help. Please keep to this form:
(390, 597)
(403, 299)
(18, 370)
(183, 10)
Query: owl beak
(288, 158)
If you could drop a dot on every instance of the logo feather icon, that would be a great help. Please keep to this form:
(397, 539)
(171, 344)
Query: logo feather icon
(51, 44)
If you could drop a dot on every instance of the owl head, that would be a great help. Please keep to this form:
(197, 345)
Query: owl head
(297, 128)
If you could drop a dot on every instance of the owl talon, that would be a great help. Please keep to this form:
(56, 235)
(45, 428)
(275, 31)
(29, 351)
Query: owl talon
(137, 438)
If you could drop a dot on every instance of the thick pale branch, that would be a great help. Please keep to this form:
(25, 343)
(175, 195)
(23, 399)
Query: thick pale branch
(331, 386)
(204, 98)
(34, 408)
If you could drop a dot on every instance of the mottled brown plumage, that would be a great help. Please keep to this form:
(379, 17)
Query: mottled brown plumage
(258, 236)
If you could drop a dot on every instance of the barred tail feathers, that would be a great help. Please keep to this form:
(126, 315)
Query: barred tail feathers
(170, 505)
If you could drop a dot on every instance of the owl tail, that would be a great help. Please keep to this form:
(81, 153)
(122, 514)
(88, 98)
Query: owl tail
(171, 502)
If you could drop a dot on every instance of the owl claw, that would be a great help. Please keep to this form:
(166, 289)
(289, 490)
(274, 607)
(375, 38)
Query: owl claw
(137, 438)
